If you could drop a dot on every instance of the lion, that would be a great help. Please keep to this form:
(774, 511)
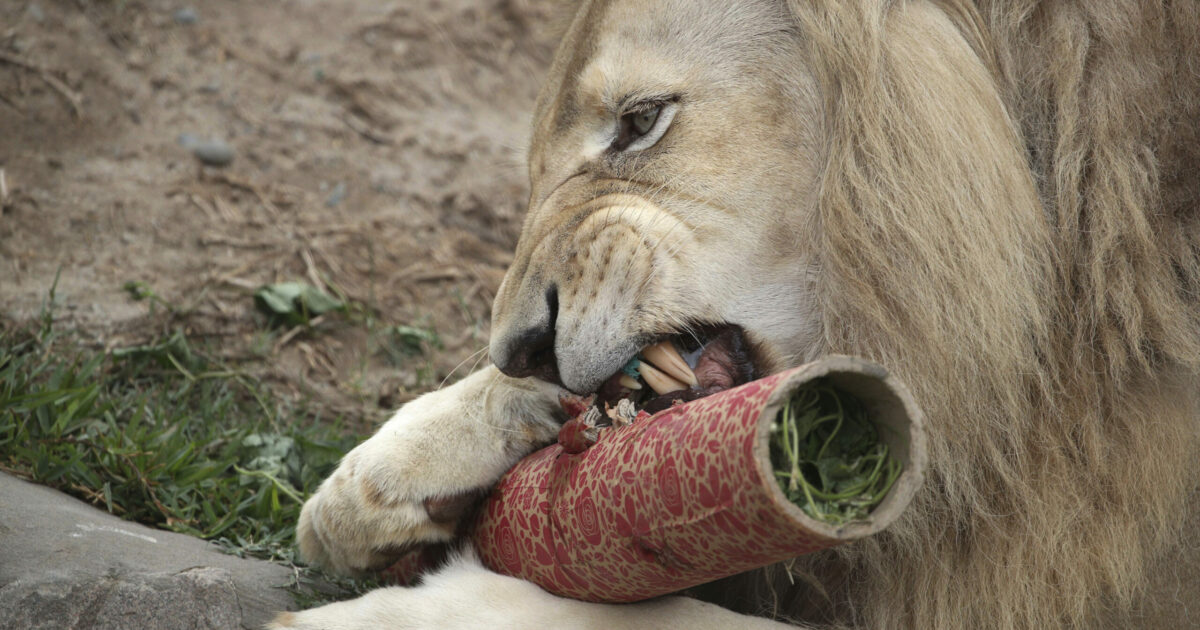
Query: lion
(996, 199)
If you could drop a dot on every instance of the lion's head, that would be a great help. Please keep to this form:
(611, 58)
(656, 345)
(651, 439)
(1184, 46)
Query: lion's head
(873, 178)
(674, 172)
(692, 171)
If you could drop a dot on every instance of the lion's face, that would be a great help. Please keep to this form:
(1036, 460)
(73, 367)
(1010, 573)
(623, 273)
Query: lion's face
(673, 170)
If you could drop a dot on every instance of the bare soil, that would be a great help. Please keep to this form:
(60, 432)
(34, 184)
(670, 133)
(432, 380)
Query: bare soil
(378, 156)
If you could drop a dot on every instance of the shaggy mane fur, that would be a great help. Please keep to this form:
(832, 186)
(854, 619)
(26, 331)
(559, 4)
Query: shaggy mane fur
(1023, 247)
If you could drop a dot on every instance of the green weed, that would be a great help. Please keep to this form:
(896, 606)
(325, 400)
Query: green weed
(165, 435)
(828, 456)
(162, 435)
(295, 303)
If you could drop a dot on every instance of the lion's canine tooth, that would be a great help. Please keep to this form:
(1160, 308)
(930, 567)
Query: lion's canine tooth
(630, 382)
(658, 381)
(665, 357)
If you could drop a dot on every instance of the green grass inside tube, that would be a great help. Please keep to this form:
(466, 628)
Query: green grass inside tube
(828, 456)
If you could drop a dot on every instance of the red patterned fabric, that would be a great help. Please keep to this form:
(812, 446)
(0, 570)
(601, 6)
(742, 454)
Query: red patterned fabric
(669, 502)
(676, 499)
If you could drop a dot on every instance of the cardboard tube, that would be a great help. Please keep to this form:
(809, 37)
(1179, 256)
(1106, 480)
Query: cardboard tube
(686, 496)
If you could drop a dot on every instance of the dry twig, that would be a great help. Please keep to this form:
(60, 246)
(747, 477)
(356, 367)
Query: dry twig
(296, 330)
(365, 130)
(208, 210)
(7, 101)
(240, 283)
(310, 267)
(46, 76)
(249, 187)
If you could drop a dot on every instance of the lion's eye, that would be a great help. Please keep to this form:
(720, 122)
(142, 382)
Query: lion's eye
(643, 122)
(643, 125)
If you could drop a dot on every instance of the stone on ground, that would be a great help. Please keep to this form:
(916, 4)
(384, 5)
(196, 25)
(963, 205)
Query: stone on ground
(65, 564)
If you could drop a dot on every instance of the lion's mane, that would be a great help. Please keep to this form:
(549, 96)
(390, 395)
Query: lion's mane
(1022, 246)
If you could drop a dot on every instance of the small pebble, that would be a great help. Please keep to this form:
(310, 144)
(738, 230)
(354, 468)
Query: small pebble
(132, 110)
(186, 16)
(336, 196)
(35, 11)
(213, 152)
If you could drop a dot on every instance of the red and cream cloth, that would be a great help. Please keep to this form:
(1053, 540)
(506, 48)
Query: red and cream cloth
(681, 498)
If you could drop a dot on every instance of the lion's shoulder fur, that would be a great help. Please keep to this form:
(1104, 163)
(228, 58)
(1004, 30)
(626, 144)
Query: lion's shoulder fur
(1023, 245)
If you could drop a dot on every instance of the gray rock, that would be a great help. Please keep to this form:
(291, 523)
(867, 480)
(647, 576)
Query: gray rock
(212, 152)
(197, 598)
(186, 16)
(336, 195)
(67, 565)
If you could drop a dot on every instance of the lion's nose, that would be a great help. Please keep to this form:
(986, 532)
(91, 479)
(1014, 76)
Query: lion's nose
(530, 350)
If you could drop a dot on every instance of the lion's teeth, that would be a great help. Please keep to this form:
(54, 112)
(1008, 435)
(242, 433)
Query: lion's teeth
(658, 381)
(630, 382)
(665, 357)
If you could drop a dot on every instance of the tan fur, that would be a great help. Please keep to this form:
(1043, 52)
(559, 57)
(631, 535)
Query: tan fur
(997, 199)
(1007, 217)
(1058, 371)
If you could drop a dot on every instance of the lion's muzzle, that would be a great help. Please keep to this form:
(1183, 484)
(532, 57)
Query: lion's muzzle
(585, 293)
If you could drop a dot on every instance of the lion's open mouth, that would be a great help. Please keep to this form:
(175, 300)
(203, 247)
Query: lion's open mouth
(680, 368)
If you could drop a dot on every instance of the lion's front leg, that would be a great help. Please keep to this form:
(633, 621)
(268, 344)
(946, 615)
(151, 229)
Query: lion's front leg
(406, 485)
(466, 596)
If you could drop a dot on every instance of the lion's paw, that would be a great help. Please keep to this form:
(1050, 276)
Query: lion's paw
(413, 481)
(355, 524)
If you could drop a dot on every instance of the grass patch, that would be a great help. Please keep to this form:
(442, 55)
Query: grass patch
(828, 457)
(165, 435)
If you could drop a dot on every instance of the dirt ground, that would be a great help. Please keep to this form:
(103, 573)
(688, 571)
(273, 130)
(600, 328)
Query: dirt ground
(378, 156)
